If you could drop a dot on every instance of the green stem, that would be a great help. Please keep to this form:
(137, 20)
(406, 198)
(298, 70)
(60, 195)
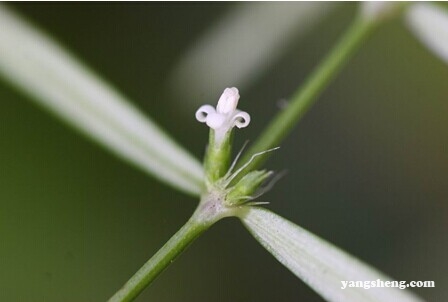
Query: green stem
(166, 255)
(308, 93)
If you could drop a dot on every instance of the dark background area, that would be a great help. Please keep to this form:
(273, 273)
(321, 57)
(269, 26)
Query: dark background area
(367, 166)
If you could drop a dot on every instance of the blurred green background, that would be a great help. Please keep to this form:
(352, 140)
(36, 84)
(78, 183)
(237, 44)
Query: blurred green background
(367, 166)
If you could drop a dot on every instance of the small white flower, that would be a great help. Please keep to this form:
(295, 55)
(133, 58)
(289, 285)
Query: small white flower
(225, 116)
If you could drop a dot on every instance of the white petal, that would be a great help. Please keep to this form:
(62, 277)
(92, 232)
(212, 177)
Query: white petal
(241, 119)
(51, 76)
(429, 22)
(216, 120)
(203, 112)
(228, 101)
(317, 262)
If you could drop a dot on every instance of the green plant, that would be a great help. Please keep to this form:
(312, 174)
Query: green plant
(71, 91)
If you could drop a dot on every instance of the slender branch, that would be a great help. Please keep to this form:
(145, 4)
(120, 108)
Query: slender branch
(209, 211)
(308, 93)
(166, 255)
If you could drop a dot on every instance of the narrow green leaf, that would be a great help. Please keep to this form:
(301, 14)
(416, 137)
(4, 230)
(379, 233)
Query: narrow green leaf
(317, 262)
(40, 67)
(429, 22)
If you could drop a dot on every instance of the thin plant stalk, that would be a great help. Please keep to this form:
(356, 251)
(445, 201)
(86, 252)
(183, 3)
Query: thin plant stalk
(160, 261)
(309, 92)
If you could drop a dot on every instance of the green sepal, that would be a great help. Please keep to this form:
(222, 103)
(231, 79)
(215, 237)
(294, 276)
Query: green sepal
(217, 157)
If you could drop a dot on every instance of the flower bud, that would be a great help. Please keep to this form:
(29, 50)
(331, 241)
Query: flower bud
(246, 187)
